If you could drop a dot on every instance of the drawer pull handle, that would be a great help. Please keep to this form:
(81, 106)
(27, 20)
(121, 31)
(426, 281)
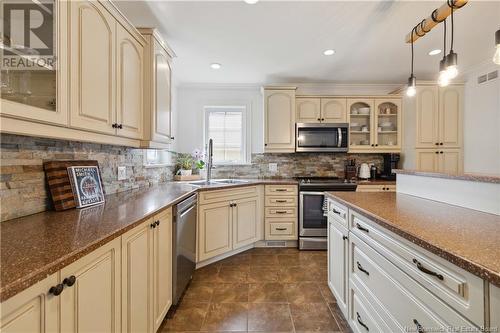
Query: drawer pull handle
(281, 212)
(280, 190)
(362, 269)
(338, 213)
(361, 322)
(361, 228)
(345, 237)
(427, 271)
(57, 289)
(69, 281)
(281, 229)
(281, 201)
(420, 328)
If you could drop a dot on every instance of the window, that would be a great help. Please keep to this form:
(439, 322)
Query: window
(226, 126)
(157, 158)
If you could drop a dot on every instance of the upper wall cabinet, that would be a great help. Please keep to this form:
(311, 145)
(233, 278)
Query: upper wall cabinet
(40, 94)
(321, 110)
(279, 119)
(375, 125)
(158, 86)
(130, 90)
(93, 64)
(102, 55)
(439, 116)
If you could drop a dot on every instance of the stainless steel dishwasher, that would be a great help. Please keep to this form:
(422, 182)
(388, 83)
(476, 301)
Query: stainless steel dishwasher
(184, 245)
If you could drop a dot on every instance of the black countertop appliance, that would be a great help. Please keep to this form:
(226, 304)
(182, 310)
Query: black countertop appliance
(390, 162)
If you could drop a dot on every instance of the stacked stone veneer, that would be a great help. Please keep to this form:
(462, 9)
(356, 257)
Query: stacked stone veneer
(23, 189)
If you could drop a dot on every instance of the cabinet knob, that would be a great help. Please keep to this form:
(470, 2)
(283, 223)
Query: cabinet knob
(345, 237)
(437, 143)
(120, 126)
(157, 222)
(115, 125)
(152, 225)
(56, 290)
(322, 119)
(69, 281)
(319, 119)
(440, 143)
(441, 152)
(265, 144)
(437, 152)
(373, 145)
(172, 138)
(376, 145)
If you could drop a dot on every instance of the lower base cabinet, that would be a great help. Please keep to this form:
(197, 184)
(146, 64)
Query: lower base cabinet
(338, 245)
(123, 286)
(32, 310)
(147, 274)
(228, 225)
(441, 160)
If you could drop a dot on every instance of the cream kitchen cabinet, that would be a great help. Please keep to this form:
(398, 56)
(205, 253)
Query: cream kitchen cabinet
(228, 220)
(494, 306)
(40, 95)
(279, 119)
(32, 310)
(157, 90)
(101, 48)
(130, 81)
(375, 125)
(308, 110)
(439, 160)
(321, 110)
(338, 264)
(91, 299)
(147, 273)
(333, 110)
(439, 114)
(281, 212)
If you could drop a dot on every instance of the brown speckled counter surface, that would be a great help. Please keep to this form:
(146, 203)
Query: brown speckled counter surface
(473, 177)
(38, 245)
(376, 182)
(467, 238)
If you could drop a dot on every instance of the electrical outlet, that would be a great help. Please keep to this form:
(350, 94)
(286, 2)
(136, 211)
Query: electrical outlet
(273, 167)
(122, 173)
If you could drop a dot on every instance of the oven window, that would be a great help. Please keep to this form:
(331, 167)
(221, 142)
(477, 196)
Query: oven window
(317, 137)
(313, 212)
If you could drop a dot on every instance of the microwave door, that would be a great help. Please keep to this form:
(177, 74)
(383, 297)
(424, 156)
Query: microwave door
(317, 139)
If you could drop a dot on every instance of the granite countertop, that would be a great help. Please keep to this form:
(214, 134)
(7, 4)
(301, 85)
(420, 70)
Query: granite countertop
(465, 237)
(473, 177)
(38, 245)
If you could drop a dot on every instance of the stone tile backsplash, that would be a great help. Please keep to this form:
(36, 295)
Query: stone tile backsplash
(295, 165)
(23, 189)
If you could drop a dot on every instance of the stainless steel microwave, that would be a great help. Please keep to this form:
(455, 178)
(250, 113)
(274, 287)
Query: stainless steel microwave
(322, 137)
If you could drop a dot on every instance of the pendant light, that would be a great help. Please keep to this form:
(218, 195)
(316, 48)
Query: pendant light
(412, 80)
(496, 57)
(452, 57)
(443, 79)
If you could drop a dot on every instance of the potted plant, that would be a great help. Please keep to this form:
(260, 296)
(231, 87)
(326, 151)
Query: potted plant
(185, 163)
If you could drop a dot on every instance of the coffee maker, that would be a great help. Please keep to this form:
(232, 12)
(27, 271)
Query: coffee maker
(390, 162)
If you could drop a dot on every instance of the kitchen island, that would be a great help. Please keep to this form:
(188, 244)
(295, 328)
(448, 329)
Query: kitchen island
(406, 262)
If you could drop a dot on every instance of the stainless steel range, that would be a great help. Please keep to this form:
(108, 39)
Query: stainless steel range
(312, 209)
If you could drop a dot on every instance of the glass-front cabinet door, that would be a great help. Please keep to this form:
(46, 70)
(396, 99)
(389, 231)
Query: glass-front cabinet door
(32, 84)
(360, 113)
(387, 124)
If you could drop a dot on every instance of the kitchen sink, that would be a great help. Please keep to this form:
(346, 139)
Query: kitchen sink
(203, 183)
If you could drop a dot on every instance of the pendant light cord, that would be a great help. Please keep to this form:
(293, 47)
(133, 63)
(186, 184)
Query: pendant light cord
(412, 53)
(451, 4)
(444, 39)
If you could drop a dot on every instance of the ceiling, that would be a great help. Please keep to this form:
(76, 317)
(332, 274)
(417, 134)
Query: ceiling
(283, 41)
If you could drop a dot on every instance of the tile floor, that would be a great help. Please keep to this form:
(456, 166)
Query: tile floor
(260, 290)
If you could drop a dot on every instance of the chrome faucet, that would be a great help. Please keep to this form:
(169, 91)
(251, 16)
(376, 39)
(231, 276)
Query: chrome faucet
(210, 159)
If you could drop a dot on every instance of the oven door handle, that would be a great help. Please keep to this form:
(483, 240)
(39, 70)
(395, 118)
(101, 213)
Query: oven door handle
(339, 143)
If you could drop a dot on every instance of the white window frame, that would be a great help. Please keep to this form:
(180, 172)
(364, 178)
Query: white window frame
(245, 128)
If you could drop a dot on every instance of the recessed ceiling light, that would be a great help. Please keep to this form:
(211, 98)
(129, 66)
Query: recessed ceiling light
(215, 65)
(434, 52)
(251, 2)
(329, 52)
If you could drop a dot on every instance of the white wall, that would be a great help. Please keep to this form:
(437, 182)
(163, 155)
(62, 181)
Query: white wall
(482, 122)
(190, 100)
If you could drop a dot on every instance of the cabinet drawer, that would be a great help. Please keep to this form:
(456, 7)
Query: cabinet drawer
(400, 299)
(362, 317)
(375, 188)
(209, 196)
(281, 228)
(281, 212)
(337, 212)
(457, 287)
(281, 201)
(281, 189)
